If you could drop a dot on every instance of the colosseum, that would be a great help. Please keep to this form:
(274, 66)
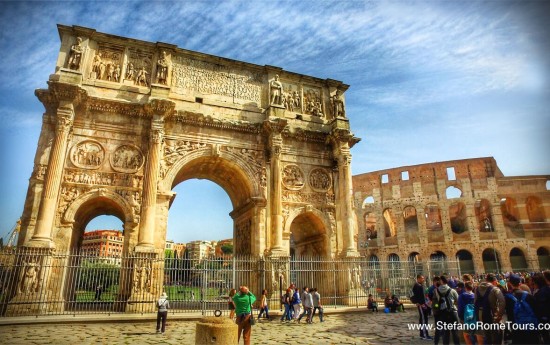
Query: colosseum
(462, 209)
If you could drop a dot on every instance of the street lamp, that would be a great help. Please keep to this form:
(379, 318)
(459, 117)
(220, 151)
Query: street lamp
(489, 227)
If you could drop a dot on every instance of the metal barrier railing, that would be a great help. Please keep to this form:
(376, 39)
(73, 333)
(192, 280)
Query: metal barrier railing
(40, 282)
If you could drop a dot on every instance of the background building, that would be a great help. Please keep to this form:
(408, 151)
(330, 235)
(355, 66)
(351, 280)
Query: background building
(197, 250)
(465, 209)
(106, 244)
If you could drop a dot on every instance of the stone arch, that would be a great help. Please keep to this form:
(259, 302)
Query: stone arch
(453, 192)
(458, 217)
(484, 215)
(535, 209)
(465, 260)
(200, 164)
(410, 218)
(510, 214)
(124, 210)
(95, 203)
(390, 228)
(370, 220)
(432, 213)
(491, 260)
(368, 201)
(517, 259)
(543, 255)
(310, 230)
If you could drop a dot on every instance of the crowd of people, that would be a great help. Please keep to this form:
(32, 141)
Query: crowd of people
(490, 309)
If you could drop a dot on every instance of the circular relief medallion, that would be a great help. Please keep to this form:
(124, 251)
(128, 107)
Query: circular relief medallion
(293, 177)
(319, 180)
(87, 154)
(127, 158)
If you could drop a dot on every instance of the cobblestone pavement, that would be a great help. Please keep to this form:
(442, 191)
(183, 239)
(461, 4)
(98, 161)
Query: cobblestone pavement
(350, 328)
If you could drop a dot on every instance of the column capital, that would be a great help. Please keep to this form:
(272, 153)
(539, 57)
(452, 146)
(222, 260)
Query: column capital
(161, 108)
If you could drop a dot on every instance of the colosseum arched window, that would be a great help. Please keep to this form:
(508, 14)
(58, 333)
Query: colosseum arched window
(535, 210)
(389, 223)
(458, 217)
(433, 217)
(410, 219)
(484, 215)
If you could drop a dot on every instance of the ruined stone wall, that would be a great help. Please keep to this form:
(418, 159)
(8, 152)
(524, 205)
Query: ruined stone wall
(412, 211)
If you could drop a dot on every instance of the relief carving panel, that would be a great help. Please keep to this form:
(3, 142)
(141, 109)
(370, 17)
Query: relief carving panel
(87, 154)
(126, 158)
(138, 68)
(320, 180)
(312, 101)
(106, 64)
(293, 177)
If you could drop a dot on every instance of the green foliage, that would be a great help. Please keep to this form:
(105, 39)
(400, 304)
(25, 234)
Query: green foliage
(227, 249)
(91, 274)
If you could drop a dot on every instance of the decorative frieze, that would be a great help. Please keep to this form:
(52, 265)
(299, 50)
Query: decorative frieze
(102, 178)
(200, 120)
(308, 198)
(107, 63)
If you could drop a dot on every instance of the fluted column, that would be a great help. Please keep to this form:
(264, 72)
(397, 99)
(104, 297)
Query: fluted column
(274, 128)
(346, 200)
(149, 199)
(42, 236)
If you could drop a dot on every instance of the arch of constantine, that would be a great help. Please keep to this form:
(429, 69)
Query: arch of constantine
(126, 121)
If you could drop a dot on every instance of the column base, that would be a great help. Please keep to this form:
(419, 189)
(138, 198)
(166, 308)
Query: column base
(355, 297)
(142, 302)
(43, 243)
(278, 252)
(145, 248)
(351, 253)
(31, 304)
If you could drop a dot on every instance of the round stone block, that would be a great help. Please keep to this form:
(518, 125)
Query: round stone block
(216, 330)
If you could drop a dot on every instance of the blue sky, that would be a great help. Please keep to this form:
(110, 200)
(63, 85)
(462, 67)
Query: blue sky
(430, 80)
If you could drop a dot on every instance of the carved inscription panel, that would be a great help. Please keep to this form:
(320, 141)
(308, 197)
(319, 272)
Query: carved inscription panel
(190, 76)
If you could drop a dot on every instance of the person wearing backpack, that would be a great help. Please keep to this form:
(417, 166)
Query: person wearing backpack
(434, 298)
(520, 306)
(466, 311)
(162, 312)
(419, 300)
(489, 306)
(542, 309)
(447, 301)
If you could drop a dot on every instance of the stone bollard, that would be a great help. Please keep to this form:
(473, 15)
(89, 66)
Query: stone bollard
(216, 330)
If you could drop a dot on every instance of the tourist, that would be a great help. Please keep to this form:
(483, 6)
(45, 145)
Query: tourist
(285, 301)
(296, 304)
(447, 300)
(243, 308)
(263, 305)
(489, 307)
(162, 312)
(527, 317)
(543, 304)
(317, 304)
(434, 298)
(371, 304)
(396, 304)
(308, 305)
(466, 300)
(231, 304)
(419, 299)
(98, 291)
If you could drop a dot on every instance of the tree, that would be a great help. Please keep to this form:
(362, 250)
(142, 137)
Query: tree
(227, 249)
(92, 274)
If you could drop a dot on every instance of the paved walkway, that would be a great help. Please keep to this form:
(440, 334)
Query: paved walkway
(349, 328)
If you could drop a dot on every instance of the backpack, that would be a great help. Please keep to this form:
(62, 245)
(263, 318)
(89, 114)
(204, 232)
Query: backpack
(411, 296)
(470, 314)
(523, 313)
(482, 304)
(444, 304)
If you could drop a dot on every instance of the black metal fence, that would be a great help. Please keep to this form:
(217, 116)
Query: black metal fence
(39, 282)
